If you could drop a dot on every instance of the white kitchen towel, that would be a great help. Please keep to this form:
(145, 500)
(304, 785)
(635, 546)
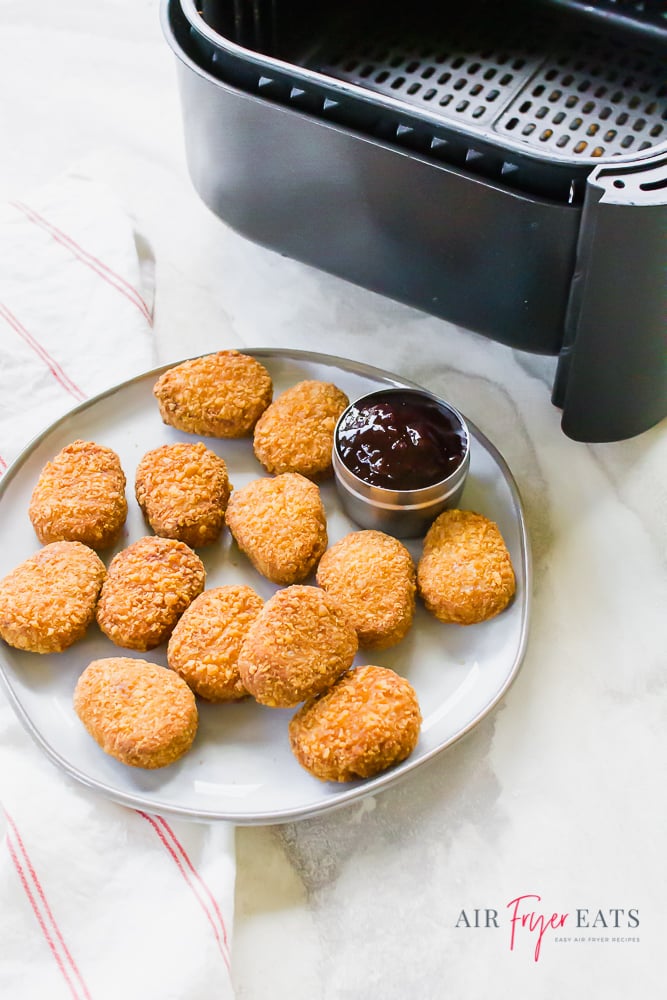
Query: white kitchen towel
(97, 901)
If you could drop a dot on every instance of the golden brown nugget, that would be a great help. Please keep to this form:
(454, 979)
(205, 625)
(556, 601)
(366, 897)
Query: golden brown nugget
(465, 574)
(368, 721)
(297, 646)
(220, 395)
(372, 576)
(204, 647)
(140, 713)
(295, 433)
(148, 587)
(48, 601)
(80, 497)
(281, 526)
(183, 491)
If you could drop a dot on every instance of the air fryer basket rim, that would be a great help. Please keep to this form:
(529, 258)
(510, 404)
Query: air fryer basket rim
(276, 69)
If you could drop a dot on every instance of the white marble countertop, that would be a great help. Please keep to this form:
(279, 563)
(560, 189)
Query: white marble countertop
(561, 792)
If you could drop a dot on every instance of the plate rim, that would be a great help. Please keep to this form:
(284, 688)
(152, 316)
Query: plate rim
(356, 792)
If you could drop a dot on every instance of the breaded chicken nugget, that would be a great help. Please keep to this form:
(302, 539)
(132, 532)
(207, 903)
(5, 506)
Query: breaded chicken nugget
(220, 395)
(372, 577)
(183, 491)
(48, 601)
(281, 526)
(465, 574)
(80, 497)
(368, 721)
(140, 713)
(204, 647)
(297, 646)
(148, 587)
(295, 433)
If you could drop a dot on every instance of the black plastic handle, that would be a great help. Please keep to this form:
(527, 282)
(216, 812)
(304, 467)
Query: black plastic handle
(612, 373)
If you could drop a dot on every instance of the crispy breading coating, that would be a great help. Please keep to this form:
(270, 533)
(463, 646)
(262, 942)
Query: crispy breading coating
(281, 526)
(368, 721)
(48, 601)
(183, 491)
(80, 497)
(204, 647)
(372, 576)
(148, 587)
(297, 646)
(295, 433)
(465, 574)
(140, 713)
(219, 395)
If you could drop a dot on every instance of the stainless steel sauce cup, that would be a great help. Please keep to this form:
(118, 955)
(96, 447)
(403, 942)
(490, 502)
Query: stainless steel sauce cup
(405, 512)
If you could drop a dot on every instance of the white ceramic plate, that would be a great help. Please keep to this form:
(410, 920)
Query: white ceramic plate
(240, 767)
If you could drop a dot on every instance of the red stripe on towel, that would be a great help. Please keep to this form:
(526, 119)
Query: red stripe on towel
(156, 822)
(45, 930)
(94, 263)
(205, 888)
(43, 913)
(53, 366)
(3, 465)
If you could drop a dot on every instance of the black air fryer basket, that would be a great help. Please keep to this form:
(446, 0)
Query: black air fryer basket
(503, 166)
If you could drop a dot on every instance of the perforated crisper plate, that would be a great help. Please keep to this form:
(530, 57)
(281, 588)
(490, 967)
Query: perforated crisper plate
(240, 767)
(578, 94)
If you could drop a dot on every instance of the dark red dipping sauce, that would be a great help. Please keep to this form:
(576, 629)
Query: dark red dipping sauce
(401, 440)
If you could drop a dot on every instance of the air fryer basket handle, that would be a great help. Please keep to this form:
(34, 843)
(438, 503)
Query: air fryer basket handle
(611, 380)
